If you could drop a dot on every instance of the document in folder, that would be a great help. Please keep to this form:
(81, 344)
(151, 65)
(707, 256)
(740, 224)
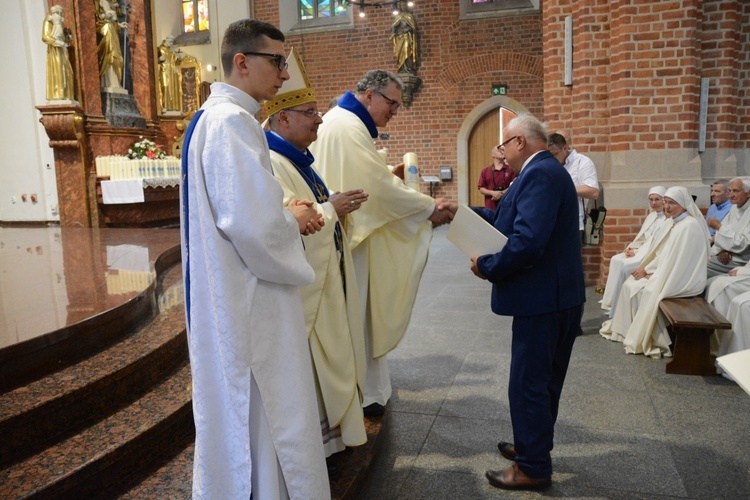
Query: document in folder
(474, 235)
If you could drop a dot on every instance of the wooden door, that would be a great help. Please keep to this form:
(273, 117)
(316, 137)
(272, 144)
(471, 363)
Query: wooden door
(486, 134)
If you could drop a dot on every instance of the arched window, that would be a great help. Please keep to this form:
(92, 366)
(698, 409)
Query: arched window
(195, 22)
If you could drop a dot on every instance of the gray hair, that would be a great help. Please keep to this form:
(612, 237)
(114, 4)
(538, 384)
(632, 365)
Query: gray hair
(745, 183)
(377, 80)
(722, 182)
(528, 125)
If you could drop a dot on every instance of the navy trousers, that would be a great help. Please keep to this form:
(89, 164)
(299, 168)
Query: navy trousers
(540, 355)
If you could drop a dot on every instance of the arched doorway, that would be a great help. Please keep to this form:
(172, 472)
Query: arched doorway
(479, 132)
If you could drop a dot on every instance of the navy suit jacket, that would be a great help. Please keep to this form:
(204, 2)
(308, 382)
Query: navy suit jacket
(539, 270)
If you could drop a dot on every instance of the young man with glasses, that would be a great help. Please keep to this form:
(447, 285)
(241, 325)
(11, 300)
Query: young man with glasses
(243, 264)
(390, 235)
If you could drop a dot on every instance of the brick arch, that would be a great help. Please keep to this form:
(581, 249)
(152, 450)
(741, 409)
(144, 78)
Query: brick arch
(500, 61)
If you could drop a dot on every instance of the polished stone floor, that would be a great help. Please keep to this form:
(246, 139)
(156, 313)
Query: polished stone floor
(626, 429)
(54, 277)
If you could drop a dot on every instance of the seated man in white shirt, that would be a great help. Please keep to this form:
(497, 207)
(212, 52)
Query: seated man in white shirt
(581, 169)
(732, 239)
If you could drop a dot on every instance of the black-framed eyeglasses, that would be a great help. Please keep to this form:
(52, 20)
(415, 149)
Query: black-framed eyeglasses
(394, 105)
(278, 60)
(506, 142)
(310, 113)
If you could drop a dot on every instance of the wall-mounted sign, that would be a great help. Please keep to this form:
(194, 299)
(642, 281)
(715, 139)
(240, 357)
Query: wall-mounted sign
(499, 89)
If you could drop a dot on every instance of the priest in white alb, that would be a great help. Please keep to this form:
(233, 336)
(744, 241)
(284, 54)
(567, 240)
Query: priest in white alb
(731, 246)
(333, 320)
(622, 264)
(243, 263)
(677, 270)
(391, 234)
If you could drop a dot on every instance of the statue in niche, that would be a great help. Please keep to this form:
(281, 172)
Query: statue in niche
(404, 36)
(60, 80)
(169, 76)
(111, 62)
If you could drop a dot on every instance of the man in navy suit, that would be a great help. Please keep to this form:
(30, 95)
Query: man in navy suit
(538, 279)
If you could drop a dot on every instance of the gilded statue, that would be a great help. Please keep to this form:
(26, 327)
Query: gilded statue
(169, 76)
(404, 36)
(110, 55)
(60, 81)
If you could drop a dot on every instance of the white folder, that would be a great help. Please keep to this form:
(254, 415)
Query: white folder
(473, 235)
(737, 365)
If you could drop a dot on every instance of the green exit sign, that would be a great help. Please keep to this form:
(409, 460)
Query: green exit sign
(499, 89)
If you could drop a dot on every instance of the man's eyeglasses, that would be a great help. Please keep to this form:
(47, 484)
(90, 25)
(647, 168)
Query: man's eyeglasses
(394, 105)
(278, 60)
(310, 113)
(502, 146)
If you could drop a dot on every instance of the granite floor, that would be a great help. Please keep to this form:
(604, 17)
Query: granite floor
(626, 429)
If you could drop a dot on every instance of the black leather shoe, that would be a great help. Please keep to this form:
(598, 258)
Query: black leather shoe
(374, 410)
(507, 450)
(513, 478)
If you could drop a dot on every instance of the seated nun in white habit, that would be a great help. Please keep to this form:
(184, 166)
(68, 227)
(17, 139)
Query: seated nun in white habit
(622, 264)
(723, 288)
(720, 293)
(678, 269)
(738, 338)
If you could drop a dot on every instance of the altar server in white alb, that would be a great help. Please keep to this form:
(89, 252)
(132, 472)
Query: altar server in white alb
(677, 270)
(391, 234)
(243, 259)
(333, 320)
(732, 239)
(622, 264)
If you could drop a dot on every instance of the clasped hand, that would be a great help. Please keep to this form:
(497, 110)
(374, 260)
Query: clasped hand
(309, 220)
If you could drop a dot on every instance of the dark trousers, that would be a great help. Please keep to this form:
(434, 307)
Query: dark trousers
(540, 353)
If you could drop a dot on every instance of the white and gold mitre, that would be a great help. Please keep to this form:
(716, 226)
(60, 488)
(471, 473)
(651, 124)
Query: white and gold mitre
(295, 91)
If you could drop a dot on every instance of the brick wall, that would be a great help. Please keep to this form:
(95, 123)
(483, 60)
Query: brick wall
(635, 93)
(459, 63)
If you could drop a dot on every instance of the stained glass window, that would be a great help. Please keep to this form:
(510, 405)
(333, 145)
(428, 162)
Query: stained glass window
(313, 9)
(194, 16)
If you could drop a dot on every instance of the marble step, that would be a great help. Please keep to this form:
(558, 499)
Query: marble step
(59, 405)
(30, 360)
(95, 460)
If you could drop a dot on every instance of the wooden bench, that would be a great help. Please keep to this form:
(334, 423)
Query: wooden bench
(692, 321)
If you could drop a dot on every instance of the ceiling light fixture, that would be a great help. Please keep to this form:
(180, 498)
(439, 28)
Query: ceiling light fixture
(362, 4)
